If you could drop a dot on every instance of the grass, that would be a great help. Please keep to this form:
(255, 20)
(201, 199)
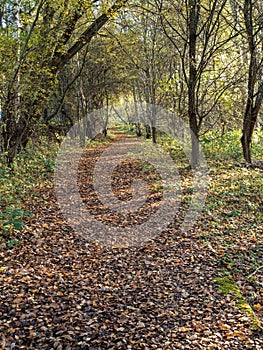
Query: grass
(228, 286)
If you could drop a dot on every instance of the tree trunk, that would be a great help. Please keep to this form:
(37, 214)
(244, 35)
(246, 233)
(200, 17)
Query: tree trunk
(17, 128)
(148, 131)
(154, 136)
(138, 129)
(254, 98)
(192, 80)
(249, 122)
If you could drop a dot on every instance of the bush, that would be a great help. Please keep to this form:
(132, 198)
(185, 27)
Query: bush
(228, 145)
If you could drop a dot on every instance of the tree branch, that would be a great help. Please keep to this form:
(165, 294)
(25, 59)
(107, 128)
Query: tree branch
(62, 59)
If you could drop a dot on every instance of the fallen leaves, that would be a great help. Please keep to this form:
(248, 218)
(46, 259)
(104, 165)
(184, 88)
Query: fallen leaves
(59, 291)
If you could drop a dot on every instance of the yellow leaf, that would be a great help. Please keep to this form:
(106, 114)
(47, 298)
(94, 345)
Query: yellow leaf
(258, 307)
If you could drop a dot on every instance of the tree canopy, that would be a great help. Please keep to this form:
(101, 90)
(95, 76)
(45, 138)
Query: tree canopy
(200, 59)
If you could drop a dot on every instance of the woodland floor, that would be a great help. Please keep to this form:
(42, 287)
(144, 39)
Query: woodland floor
(59, 291)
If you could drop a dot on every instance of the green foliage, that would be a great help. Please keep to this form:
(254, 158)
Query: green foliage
(12, 218)
(11, 243)
(227, 146)
(222, 147)
(228, 286)
(128, 129)
(257, 144)
(31, 170)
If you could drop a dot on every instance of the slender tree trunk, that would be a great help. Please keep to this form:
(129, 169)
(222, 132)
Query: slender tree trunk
(246, 140)
(192, 80)
(137, 124)
(105, 126)
(138, 129)
(154, 136)
(148, 131)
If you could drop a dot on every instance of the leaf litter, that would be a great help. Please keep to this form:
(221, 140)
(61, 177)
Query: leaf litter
(59, 291)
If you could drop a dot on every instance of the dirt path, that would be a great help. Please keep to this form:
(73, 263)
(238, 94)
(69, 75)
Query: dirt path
(59, 291)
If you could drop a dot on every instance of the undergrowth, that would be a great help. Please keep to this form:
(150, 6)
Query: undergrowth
(31, 169)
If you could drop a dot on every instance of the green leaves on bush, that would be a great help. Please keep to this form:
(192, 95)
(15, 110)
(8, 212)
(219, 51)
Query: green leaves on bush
(228, 146)
(13, 218)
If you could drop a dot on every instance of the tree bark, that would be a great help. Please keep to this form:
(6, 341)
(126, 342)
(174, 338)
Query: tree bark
(148, 131)
(254, 94)
(138, 129)
(249, 122)
(192, 80)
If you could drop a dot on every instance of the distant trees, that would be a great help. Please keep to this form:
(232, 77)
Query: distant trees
(147, 59)
(201, 60)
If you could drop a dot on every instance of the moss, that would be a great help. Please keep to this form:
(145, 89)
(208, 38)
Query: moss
(228, 286)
